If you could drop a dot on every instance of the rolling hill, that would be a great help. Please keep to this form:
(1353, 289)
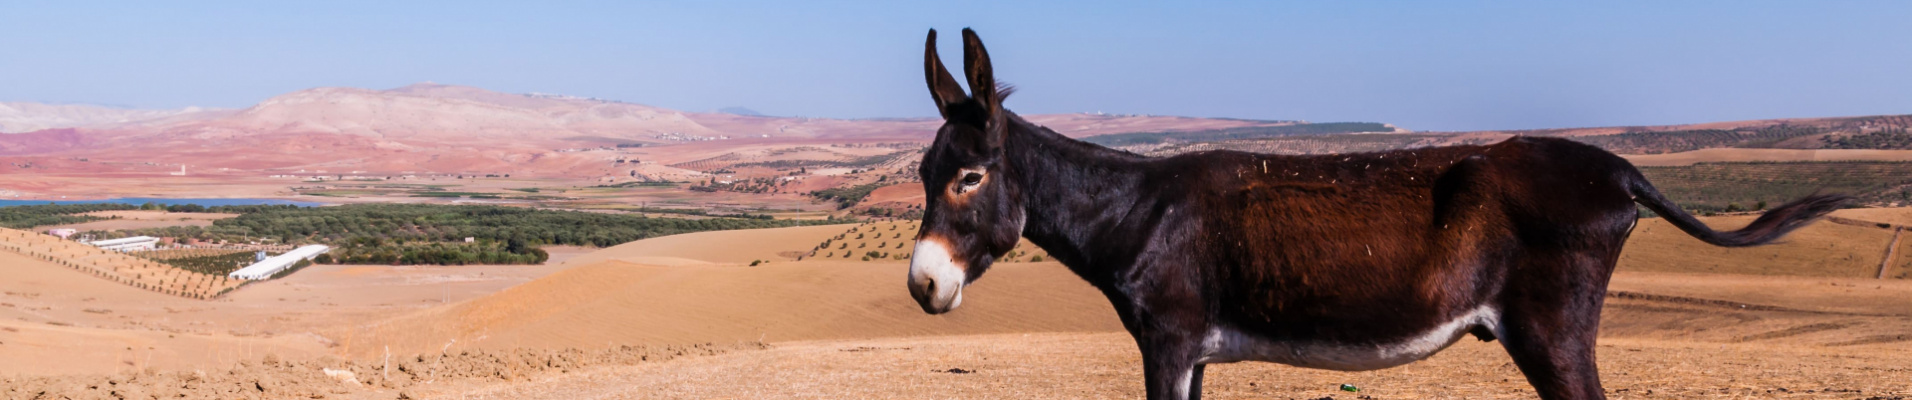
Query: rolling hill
(448, 128)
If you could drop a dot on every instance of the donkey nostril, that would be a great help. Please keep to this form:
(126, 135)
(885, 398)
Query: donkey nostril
(930, 288)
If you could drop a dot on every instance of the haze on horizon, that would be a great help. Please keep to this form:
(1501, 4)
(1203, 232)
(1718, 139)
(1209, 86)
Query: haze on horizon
(1419, 66)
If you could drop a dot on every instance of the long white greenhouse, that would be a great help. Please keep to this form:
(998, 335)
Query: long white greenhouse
(272, 265)
(135, 243)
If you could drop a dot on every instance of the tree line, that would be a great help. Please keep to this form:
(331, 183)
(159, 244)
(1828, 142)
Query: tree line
(412, 233)
(448, 223)
(434, 254)
(28, 216)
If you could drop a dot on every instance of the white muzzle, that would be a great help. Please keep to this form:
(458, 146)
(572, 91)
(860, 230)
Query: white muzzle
(936, 280)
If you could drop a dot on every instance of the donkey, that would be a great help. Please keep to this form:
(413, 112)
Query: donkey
(1346, 262)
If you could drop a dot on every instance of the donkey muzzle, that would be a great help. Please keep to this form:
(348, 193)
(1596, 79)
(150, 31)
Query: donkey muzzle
(936, 280)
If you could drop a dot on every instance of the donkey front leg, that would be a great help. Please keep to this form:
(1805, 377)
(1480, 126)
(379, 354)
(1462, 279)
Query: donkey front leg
(1169, 369)
(1195, 382)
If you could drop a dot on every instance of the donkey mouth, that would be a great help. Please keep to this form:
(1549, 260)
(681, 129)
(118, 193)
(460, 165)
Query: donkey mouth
(935, 305)
(936, 296)
(935, 280)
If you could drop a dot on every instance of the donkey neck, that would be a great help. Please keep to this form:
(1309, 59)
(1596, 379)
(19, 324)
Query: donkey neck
(1075, 194)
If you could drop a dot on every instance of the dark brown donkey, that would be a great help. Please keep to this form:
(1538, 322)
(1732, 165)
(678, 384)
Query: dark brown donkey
(1346, 262)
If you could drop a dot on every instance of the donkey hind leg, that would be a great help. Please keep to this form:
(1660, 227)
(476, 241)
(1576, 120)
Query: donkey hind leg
(1550, 329)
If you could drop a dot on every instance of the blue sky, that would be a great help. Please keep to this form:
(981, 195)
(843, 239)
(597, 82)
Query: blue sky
(1421, 65)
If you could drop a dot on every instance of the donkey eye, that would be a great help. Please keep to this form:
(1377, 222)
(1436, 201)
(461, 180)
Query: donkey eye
(971, 179)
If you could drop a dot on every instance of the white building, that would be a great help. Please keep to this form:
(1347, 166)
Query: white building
(272, 265)
(136, 243)
(63, 233)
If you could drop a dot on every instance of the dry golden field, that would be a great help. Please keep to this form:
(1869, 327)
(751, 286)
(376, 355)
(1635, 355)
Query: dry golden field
(687, 317)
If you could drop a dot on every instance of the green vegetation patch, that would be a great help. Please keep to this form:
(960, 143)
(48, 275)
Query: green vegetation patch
(448, 223)
(24, 217)
(1689, 140)
(698, 212)
(372, 251)
(1887, 139)
(857, 162)
(1256, 132)
(847, 196)
(1745, 186)
(214, 265)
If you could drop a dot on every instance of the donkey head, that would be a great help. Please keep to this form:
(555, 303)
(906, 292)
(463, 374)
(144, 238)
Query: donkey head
(972, 212)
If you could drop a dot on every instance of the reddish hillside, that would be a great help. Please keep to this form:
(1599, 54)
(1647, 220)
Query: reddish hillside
(456, 129)
(38, 142)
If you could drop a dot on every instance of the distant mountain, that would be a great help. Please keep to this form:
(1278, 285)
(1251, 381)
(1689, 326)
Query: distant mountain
(436, 127)
(17, 117)
(741, 111)
(1876, 132)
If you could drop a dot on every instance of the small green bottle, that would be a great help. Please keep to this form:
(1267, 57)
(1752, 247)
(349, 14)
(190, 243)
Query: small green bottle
(1349, 388)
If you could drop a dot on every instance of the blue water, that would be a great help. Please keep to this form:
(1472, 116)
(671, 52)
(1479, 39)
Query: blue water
(167, 202)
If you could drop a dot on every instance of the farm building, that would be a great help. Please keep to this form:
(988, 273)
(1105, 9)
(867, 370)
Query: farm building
(272, 265)
(136, 243)
(63, 233)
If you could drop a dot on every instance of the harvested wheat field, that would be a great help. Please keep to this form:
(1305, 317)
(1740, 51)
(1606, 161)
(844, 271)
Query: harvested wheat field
(615, 323)
(135, 219)
(1825, 248)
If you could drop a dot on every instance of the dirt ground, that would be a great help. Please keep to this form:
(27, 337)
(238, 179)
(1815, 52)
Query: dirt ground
(1105, 365)
(135, 219)
(617, 325)
(55, 320)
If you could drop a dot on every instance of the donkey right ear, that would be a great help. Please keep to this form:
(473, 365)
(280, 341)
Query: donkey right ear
(942, 86)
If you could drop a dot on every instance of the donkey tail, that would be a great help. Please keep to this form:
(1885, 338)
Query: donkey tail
(1769, 227)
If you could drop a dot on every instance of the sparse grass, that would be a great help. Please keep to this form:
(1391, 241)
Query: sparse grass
(1714, 186)
(847, 197)
(894, 240)
(638, 184)
(1689, 140)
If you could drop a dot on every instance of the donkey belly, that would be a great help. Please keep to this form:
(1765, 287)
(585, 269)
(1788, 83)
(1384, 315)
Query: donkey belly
(1225, 344)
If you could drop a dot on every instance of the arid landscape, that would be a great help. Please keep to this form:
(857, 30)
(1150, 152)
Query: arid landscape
(815, 308)
(453, 241)
(687, 316)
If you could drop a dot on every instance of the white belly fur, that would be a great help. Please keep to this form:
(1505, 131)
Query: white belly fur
(1226, 344)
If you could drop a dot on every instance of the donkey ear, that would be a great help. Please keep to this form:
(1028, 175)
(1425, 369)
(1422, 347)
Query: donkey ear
(942, 87)
(982, 79)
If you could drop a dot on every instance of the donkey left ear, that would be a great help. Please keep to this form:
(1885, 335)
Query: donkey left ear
(982, 79)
